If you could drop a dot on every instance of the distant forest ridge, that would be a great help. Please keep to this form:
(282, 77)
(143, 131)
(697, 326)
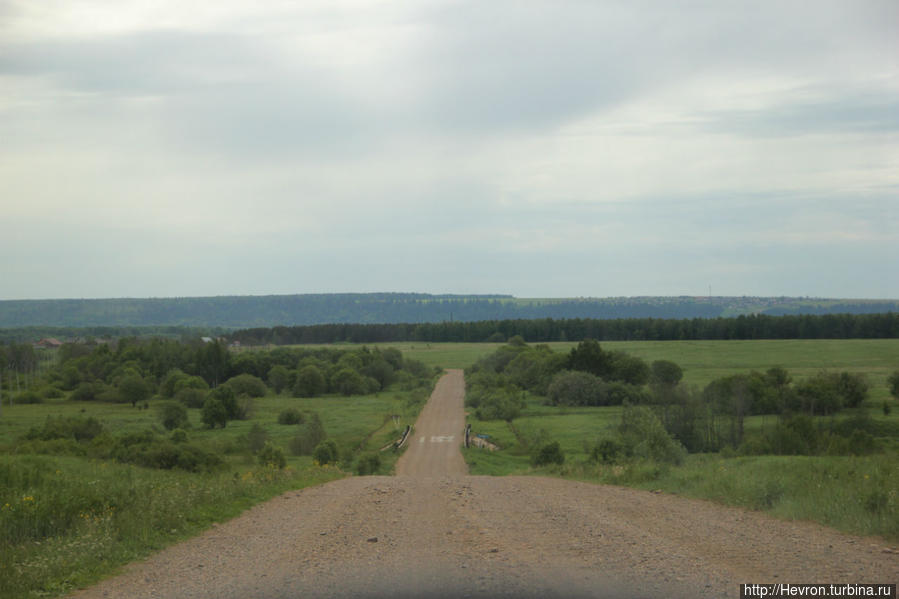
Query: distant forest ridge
(754, 326)
(234, 312)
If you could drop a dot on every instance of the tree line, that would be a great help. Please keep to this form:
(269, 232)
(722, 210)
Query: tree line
(378, 308)
(542, 330)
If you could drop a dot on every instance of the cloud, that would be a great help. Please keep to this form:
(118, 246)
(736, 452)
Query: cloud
(526, 147)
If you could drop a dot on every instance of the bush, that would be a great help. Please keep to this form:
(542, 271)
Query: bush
(191, 398)
(577, 388)
(52, 392)
(179, 435)
(173, 415)
(500, 404)
(290, 416)
(348, 381)
(273, 456)
(28, 397)
(72, 427)
(247, 385)
(606, 451)
(368, 464)
(278, 378)
(548, 453)
(325, 453)
(190, 382)
(144, 449)
(90, 392)
(643, 436)
(214, 413)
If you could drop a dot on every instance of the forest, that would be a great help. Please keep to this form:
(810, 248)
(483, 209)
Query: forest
(378, 308)
(827, 326)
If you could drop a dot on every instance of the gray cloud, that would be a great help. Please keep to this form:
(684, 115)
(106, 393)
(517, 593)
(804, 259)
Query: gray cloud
(535, 148)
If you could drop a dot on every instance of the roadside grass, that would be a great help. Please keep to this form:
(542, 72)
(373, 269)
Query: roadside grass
(67, 522)
(857, 495)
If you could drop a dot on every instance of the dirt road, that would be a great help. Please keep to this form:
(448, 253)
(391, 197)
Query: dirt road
(432, 531)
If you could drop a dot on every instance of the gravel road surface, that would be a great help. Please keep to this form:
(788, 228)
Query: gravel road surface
(433, 531)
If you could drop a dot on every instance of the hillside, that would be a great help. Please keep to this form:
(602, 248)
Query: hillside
(373, 308)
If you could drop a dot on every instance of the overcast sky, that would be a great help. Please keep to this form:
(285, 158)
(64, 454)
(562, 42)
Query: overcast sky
(543, 149)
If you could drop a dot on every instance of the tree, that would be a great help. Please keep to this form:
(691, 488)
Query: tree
(133, 388)
(347, 381)
(213, 361)
(247, 385)
(213, 413)
(893, 382)
(173, 415)
(665, 373)
(278, 378)
(310, 382)
(549, 453)
(589, 357)
(325, 452)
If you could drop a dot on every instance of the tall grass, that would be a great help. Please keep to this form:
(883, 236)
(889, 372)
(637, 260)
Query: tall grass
(857, 495)
(65, 522)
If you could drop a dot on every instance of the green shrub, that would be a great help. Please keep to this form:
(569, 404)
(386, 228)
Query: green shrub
(214, 413)
(173, 415)
(290, 416)
(279, 378)
(325, 453)
(272, 456)
(191, 397)
(179, 435)
(607, 451)
(247, 385)
(577, 388)
(52, 392)
(643, 436)
(368, 464)
(549, 453)
(499, 404)
(28, 397)
(348, 381)
(71, 427)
